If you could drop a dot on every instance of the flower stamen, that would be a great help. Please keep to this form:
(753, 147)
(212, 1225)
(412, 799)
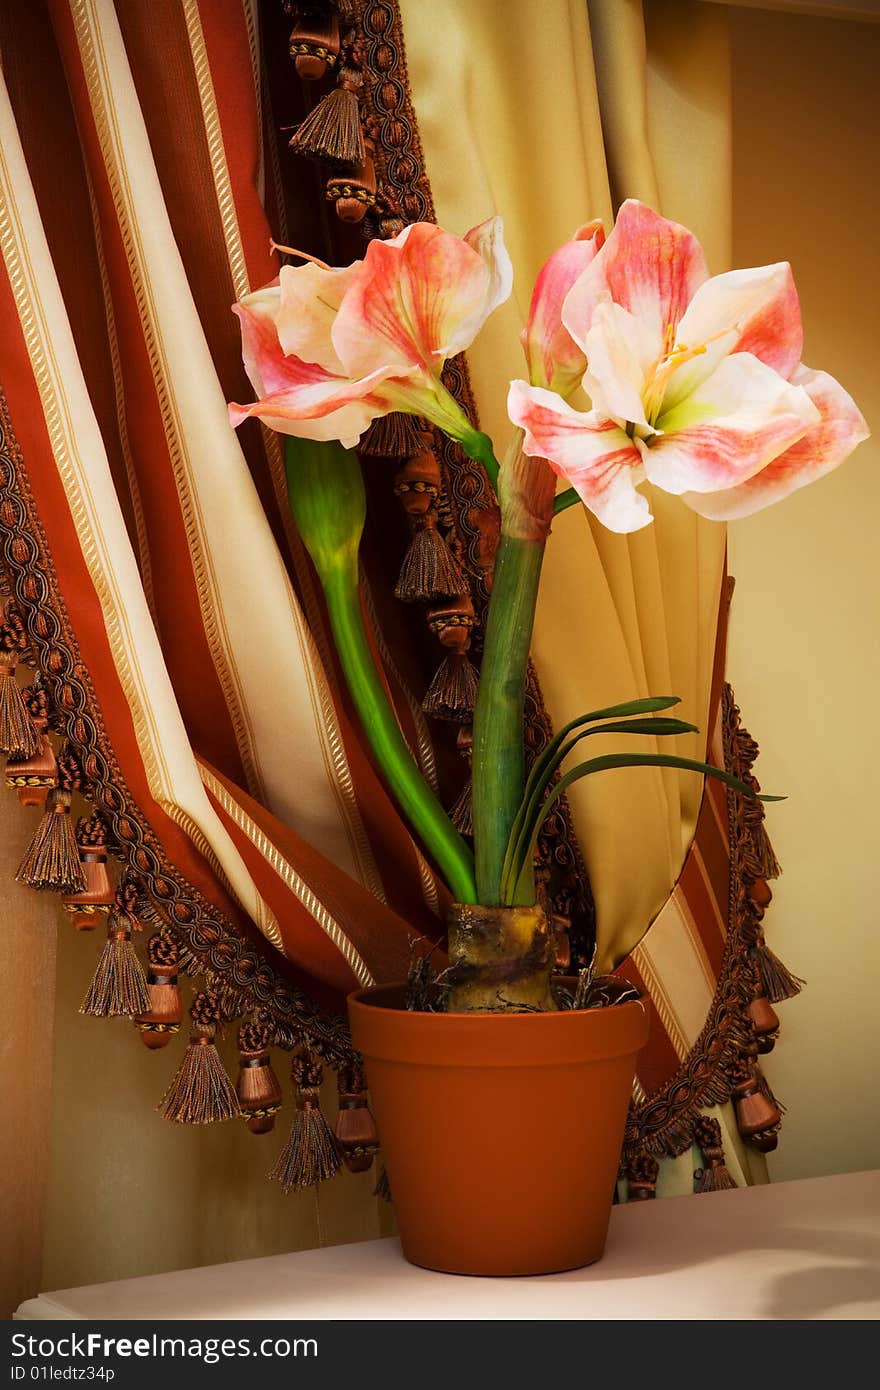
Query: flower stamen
(302, 255)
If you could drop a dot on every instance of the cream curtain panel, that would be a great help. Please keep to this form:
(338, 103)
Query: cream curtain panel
(565, 109)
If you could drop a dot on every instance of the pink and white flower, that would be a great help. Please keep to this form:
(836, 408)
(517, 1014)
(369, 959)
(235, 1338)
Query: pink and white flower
(695, 383)
(328, 350)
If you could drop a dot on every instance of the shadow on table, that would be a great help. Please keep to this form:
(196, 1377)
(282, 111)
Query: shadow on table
(800, 1294)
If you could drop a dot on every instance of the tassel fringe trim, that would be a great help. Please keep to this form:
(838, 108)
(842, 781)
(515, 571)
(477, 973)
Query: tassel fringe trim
(311, 1154)
(119, 986)
(429, 570)
(201, 1092)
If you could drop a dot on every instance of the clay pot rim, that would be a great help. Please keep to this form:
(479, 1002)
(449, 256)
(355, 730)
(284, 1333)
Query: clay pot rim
(571, 1036)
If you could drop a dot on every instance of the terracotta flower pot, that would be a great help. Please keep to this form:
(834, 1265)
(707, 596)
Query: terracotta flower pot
(501, 1132)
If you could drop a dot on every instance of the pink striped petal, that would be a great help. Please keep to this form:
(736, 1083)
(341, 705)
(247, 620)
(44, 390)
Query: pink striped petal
(553, 357)
(648, 265)
(408, 300)
(824, 447)
(755, 311)
(323, 405)
(732, 426)
(323, 408)
(588, 450)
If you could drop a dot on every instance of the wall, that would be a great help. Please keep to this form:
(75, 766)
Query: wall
(804, 653)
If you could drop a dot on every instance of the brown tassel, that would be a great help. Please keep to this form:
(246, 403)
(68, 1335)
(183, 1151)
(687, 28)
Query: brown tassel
(52, 860)
(642, 1171)
(762, 1015)
(429, 570)
(714, 1175)
(87, 908)
(382, 1190)
(758, 1116)
(310, 1155)
(119, 986)
(332, 129)
(314, 44)
(17, 734)
(258, 1088)
(355, 1127)
(759, 861)
(777, 981)
(453, 691)
(393, 436)
(201, 1092)
(158, 1023)
(352, 194)
(33, 777)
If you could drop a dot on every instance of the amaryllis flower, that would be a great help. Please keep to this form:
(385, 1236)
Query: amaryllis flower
(328, 350)
(554, 359)
(696, 383)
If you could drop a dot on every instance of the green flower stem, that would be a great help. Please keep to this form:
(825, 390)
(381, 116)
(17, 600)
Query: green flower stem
(564, 500)
(526, 489)
(479, 446)
(329, 507)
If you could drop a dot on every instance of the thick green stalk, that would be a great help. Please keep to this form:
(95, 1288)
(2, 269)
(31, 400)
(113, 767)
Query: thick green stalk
(526, 496)
(328, 505)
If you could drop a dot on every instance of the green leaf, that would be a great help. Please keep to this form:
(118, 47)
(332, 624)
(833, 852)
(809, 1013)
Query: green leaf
(647, 705)
(612, 760)
(536, 787)
(544, 767)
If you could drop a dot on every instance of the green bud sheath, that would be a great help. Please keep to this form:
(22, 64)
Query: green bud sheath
(328, 504)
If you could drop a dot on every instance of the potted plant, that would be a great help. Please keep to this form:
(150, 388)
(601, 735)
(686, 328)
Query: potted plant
(501, 1106)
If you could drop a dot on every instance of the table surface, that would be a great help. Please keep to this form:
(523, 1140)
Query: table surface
(806, 1249)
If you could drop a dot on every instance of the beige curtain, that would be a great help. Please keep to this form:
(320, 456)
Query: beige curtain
(523, 127)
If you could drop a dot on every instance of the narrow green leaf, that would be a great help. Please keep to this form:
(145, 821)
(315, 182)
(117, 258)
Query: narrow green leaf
(544, 768)
(602, 764)
(649, 704)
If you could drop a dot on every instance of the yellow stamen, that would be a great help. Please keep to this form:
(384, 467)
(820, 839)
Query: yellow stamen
(302, 255)
(674, 355)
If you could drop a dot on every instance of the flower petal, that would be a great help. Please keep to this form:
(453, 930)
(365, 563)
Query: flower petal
(648, 265)
(620, 350)
(412, 300)
(755, 311)
(292, 390)
(590, 451)
(487, 239)
(732, 426)
(309, 302)
(313, 405)
(840, 428)
(553, 357)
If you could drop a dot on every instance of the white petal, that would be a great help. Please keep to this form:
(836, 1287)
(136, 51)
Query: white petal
(620, 349)
(732, 426)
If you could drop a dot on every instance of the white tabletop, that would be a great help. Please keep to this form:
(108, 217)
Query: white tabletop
(808, 1249)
